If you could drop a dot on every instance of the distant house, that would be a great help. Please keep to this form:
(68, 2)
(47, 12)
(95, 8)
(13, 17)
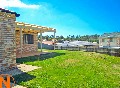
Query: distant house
(76, 44)
(110, 40)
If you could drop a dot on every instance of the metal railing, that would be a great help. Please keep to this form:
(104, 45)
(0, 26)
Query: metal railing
(110, 51)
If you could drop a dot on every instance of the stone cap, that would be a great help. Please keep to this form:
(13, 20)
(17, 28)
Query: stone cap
(8, 11)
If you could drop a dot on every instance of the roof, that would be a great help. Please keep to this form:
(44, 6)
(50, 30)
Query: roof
(77, 43)
(32, 27)
(110, 35)
(8, 11)
(48, 42)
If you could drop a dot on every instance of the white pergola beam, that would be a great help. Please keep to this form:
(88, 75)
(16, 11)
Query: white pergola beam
(34, 27)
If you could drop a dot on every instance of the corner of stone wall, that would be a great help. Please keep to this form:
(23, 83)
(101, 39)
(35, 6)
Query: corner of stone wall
(7, 41)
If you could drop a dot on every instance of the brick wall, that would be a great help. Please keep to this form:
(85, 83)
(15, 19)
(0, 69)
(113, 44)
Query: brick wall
(7, 41)
(26, 48)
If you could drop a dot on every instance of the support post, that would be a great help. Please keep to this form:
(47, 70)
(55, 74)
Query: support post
(21, 41)
(41, 40)
(54, 39)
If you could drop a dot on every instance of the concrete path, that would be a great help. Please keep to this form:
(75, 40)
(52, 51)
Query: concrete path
(16, 86)
(26, 68)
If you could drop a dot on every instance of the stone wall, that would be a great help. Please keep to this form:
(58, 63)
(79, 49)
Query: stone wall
(7, 41)
(26, 48)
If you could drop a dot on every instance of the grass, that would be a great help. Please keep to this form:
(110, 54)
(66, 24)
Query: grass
(72, 69)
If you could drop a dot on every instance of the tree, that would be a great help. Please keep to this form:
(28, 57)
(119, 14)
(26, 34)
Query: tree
(61, 37)
(90, 38)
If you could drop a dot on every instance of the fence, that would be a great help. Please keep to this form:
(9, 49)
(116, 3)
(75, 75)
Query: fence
(45, 46)
(110, 51)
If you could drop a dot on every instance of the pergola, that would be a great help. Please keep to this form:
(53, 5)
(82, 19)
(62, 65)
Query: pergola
(31, 28)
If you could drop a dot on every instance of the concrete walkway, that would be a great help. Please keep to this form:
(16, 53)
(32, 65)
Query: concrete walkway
(15, 86)
(18, 86)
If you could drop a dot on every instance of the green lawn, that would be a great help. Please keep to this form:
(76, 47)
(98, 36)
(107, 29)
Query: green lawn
(72, 69)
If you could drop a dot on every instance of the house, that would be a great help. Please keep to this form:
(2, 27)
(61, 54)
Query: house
(27, 38)
(17, 39)
(111, 40)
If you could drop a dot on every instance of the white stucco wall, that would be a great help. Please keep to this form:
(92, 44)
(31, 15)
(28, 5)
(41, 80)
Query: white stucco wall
(105, 43)
(114, 43)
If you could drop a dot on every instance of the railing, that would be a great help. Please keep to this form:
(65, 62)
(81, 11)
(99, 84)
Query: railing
(110, 51)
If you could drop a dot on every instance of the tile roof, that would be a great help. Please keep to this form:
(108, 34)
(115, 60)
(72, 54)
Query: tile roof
(110, 35)
(8, 11)
(48, 42)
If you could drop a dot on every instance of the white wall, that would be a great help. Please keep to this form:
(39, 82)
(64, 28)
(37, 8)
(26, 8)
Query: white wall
(105, 43)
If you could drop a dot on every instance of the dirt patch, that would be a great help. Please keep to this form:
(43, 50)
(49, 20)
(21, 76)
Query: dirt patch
(69, 62)
(116, 66)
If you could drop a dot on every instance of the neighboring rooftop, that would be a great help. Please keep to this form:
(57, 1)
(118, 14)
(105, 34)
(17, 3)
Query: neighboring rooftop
(107, 35)
(8, 11)
(76, 43)
(48, 42)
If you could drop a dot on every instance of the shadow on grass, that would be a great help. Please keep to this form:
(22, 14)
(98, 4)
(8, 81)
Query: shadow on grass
(24, 77)
(40, 57)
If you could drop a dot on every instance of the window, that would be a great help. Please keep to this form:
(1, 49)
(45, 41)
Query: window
(28, 39)
(111, 39)
(103, 40)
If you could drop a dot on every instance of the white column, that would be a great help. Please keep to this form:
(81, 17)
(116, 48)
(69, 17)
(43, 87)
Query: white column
(54, 39)
(41, 40)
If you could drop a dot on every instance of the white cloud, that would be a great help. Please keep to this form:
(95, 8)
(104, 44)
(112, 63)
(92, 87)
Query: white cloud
(16, 3)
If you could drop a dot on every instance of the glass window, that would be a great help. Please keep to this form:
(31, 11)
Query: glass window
(103, 40)
(28, 39)
(111, 39)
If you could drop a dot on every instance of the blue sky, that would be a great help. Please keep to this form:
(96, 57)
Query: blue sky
(69, 17)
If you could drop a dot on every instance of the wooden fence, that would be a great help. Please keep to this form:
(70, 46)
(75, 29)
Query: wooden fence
(110, 51)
